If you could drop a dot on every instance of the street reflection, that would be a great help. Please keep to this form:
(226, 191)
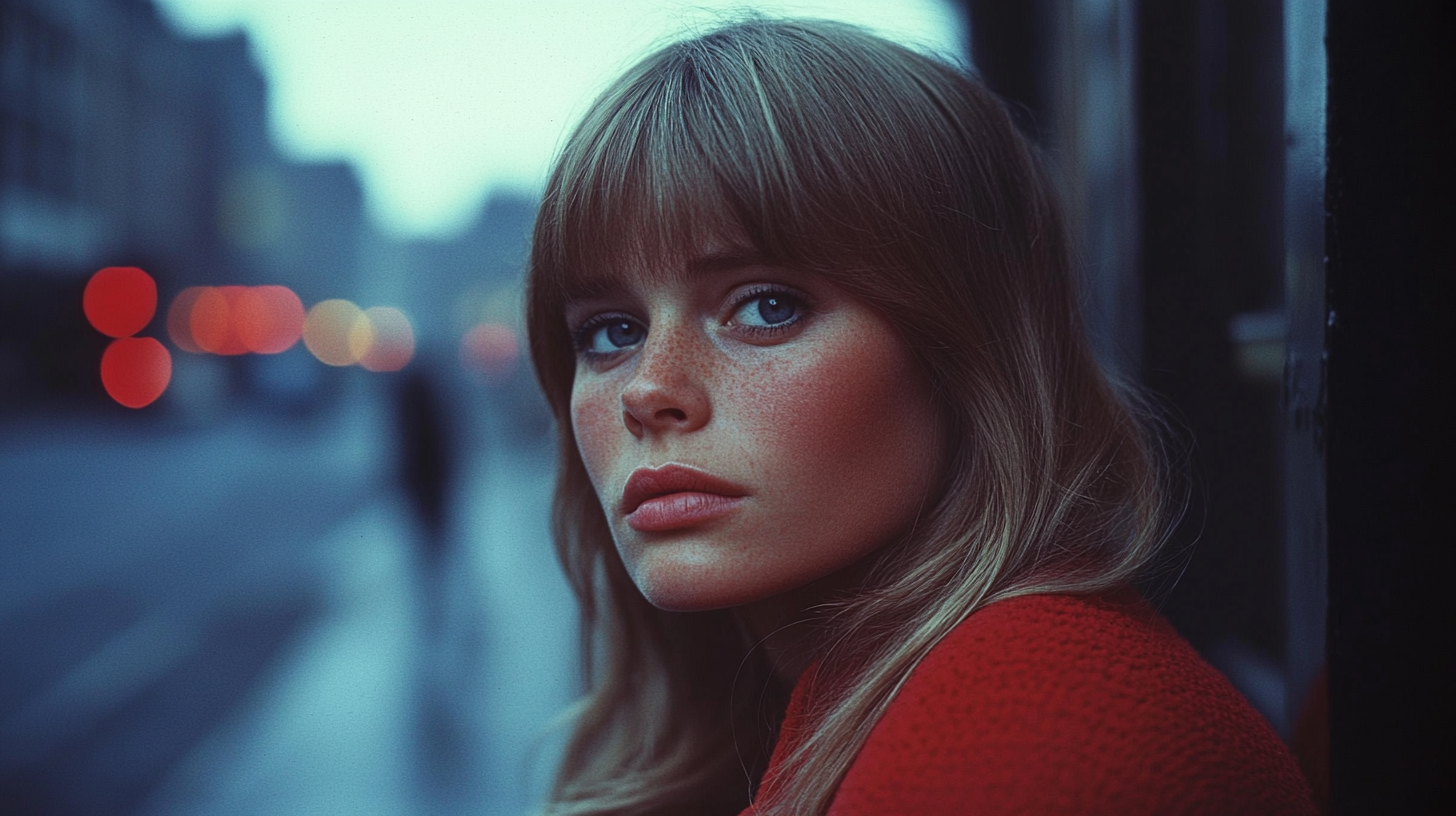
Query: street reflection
(283, 615)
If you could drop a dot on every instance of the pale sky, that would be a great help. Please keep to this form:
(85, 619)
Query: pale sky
(435, 102)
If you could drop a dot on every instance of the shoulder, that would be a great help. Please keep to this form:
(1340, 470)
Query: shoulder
(1054, 703)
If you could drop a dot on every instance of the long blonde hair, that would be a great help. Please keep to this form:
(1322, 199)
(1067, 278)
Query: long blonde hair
(900, 178)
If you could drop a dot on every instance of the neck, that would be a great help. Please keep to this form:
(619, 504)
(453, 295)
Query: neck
(786, 634)
(790, 626)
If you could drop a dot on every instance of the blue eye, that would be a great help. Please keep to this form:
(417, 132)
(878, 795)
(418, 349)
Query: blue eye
(767, 310)
(608, 335)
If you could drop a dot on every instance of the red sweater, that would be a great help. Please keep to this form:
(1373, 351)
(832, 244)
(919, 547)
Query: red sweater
(1064, 705)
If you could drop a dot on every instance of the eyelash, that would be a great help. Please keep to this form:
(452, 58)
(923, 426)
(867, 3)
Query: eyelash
(581, 336)
(760, 292)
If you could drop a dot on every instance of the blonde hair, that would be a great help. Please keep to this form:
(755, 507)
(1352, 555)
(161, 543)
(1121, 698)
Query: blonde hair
(901, 179)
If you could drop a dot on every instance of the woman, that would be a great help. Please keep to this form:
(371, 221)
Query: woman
(852, 513)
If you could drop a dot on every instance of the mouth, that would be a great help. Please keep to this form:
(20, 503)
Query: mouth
(675, 496)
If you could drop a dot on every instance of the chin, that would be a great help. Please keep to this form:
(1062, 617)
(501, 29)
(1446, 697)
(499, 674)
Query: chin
(673, 586)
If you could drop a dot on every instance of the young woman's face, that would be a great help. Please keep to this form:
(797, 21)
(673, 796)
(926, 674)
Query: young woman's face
(749, 429)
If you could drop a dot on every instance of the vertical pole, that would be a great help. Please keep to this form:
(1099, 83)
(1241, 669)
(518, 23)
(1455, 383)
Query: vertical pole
(1304, 386)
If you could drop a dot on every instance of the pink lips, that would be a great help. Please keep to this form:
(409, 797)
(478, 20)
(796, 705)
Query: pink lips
(673, 496)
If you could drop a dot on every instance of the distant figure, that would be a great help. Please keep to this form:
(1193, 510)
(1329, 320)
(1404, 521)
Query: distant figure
(427, 466)
(427, 473)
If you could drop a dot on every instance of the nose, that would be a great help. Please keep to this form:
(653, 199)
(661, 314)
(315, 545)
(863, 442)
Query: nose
(666, 392)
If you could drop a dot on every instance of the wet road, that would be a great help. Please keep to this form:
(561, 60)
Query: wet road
(239, 618)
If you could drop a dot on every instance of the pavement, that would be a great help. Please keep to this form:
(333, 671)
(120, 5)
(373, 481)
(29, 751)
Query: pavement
(392, 675)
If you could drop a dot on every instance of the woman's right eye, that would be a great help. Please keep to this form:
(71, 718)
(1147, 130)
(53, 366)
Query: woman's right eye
(608, 335)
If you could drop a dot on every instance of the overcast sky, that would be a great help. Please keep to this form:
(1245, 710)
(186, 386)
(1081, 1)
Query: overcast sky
(437, 101)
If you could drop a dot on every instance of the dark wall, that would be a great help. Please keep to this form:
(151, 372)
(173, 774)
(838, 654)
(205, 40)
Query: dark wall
(1211, 116)
(1392, 126)
(1373, 400)
(1209, 174)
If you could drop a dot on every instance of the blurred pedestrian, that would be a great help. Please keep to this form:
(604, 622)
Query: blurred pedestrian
(427, 459)
(427, 469)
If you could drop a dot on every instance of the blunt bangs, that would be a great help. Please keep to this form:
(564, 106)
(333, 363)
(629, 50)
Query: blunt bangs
(812, 145)
(637, 196)
(817, 150)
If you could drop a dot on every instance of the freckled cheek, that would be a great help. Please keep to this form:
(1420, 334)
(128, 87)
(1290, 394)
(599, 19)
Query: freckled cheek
(597, 427)
(829, 405)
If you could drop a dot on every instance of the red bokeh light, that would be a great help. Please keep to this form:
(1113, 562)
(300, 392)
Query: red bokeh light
(267, 319)
(120, 300)
(236, 319)
(179, 319)
(136, 370)
(211, 321)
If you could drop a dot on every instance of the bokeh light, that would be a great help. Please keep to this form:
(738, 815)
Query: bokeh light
(236, 319)
(136, 370)
(490, 349)
(383, 340)
(267, 319)
(326, 331)
(120, 300)
(212, 324)
(179, 319)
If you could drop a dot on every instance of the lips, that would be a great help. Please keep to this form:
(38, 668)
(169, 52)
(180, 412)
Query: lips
(674, 496)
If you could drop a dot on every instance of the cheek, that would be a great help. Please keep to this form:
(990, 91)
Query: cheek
(837, 401)
(840, 400)
(850, 423)
(596, 427)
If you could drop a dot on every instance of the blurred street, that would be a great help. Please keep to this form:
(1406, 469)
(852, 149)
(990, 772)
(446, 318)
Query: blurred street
(248, 617)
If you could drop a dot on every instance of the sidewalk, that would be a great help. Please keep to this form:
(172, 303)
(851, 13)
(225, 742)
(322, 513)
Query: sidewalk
(369, 715)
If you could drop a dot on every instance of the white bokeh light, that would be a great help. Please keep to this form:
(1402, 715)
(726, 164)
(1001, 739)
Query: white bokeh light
(435, 102)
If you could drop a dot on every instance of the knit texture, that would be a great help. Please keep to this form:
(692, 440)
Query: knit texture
(1064, 705)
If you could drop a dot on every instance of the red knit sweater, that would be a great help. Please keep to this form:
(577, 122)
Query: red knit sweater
(1065, 705)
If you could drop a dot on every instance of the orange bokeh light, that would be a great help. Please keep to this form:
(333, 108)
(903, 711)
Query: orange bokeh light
(326, 331)
(120, 300)
(211, 321)
(268, 319)
(490, 349)
(136, 370)
(179, 319)
(236, 319)
(383, 339)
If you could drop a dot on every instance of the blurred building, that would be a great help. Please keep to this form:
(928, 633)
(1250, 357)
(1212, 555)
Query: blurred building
(153, 579)
(124, 144)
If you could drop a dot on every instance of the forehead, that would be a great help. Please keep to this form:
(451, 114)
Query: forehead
(664, 268)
